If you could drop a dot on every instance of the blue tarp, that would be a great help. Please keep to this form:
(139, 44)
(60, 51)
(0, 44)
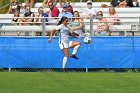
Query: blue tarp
(103, 52)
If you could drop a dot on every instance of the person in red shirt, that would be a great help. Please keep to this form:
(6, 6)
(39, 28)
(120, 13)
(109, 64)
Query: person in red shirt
(70, 8)
(54, 10)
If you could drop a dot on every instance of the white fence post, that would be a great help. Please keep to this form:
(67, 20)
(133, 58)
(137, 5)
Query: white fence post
(139, 25)
(91, 26)
(43, 27)
(86, 69)
(9, 69)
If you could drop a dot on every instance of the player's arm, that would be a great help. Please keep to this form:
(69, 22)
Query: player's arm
(54, 30)
(51, 34)
(74, 35)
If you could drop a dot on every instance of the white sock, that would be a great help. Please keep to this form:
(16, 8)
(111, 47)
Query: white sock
(65, 62)
(75, 49)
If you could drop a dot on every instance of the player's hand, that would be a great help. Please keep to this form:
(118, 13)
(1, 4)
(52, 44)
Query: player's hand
(49, 40)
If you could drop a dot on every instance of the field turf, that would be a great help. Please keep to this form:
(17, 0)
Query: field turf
(53, 82)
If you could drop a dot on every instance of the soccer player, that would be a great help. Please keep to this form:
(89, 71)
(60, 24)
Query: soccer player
(64, 42)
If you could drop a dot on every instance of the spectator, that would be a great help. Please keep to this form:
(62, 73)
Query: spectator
(60, 2)
(115, 3)
(130, 3)
(29, 3)
(70, 8)
(137, 3)
(123, 4)
(14, 6)
(41, 13)
(16, 14)
(76, 23)
(113, 17)
(102, 25)
(54, 10)
(89, 12)
(26, 16)
(15, 20)
(65, 13)
(112, 20)
(54, 1)
(23, 9)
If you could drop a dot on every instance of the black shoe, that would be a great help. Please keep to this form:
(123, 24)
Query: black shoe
(64, 70)
(73, 56)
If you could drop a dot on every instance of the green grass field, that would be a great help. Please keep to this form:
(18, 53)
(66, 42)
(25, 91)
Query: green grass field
(52, 82)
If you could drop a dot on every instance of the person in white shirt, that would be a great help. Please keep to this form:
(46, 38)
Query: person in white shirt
(64, 43)
(137, 3)
(89, 11)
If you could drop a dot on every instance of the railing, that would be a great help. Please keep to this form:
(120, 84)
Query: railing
(90, 25)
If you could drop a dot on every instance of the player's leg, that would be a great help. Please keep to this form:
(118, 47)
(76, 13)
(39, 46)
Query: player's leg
(64, 48)
(76, 46)
(66, 53)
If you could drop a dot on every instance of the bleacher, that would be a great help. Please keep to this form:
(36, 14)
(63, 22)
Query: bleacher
(129, 20)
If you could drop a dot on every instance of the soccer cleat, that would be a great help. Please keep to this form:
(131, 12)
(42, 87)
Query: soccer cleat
(73, 56)
(64, 70)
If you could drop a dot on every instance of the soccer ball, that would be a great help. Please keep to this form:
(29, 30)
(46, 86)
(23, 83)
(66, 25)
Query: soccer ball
(87, 40)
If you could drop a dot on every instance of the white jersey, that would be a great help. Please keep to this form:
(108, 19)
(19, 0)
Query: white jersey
(63, 33)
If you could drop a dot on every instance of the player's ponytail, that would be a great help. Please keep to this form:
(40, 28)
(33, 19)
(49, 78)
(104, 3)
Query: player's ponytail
(62, 20)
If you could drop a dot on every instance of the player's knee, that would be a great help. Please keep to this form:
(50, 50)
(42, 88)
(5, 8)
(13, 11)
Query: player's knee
(67, 56)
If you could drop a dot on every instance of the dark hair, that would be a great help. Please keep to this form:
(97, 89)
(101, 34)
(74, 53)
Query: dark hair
(50, 2)
(62, 20)
(100, 13)
(16, 12)
(73, 15)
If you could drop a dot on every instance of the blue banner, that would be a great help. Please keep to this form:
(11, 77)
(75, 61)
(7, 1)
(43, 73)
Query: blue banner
(102, 52)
